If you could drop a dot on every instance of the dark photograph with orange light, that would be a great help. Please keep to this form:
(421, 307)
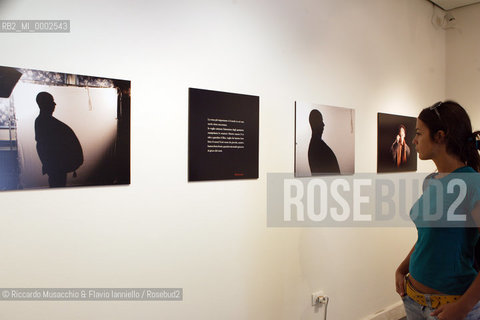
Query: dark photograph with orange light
(62, 130)
(396, 153)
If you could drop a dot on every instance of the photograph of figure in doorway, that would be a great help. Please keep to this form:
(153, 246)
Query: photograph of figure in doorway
(395, 151)
(324, 140)
(62, 130)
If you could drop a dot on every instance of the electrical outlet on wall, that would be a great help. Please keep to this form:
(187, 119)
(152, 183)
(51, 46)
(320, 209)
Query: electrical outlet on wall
(315, 297)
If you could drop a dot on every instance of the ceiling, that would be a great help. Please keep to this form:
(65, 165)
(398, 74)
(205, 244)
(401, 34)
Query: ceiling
(452, 4)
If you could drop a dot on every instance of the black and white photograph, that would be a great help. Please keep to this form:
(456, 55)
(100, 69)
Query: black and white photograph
(62, 130)
(222, 135)
(396, 153)
(324, 140)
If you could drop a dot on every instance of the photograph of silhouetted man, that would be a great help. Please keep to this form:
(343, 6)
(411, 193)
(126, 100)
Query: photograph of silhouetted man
(321, 158)
(57, 145)
(400, 149)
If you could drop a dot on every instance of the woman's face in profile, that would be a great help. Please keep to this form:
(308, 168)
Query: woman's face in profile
(422, 141)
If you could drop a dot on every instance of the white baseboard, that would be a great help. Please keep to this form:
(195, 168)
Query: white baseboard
(393, 312)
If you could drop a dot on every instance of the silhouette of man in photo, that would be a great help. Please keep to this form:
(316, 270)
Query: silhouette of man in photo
(321, 158)
(57, 145)
(400, 149)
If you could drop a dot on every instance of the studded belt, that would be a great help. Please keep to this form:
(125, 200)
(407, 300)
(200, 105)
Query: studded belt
(436, 300)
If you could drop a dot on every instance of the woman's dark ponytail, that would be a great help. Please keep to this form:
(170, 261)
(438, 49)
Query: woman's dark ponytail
(471, 151)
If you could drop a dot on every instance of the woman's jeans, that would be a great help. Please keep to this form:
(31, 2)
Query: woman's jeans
(416, 311)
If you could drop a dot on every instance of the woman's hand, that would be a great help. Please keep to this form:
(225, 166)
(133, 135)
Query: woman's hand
(450, 311)
(400, 282)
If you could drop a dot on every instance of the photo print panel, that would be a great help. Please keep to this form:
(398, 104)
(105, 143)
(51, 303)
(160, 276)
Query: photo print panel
(62, 130)
(324, 140)
(396, 153)
(222, 135)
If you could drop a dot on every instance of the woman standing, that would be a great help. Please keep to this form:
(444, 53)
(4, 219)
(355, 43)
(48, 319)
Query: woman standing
(437, 279)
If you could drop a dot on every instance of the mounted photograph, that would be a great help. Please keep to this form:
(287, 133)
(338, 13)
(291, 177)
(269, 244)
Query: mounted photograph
(324, 140)
(62, 130)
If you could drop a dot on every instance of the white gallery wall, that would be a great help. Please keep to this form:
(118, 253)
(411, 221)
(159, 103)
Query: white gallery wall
(211, 238)
(463, 61)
